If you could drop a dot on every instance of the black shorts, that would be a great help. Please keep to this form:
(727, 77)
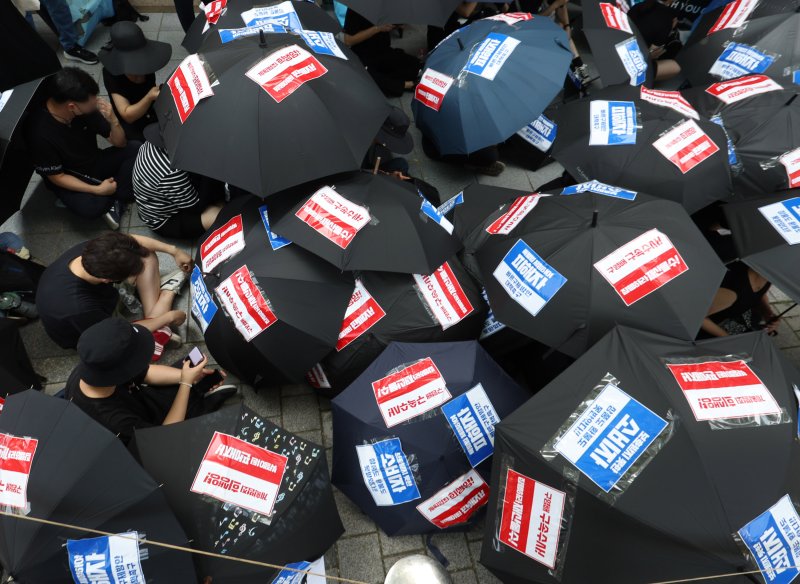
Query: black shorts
(185, 224)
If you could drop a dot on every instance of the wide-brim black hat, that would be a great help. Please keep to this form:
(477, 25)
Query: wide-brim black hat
(394, 132)
(130, 52)
(113, 352)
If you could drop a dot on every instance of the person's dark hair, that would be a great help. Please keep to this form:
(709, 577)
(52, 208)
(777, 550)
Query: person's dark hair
(113, 256)
(71, 84)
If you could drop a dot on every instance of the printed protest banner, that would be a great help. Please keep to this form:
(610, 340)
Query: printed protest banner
(203, 306)
(223, 243)
(527, 278)
(784, 217)
(472, 418)
(245, 304)
(386, 472)
(457, 502)
(410, 392)
(444, 296)
(773, 539)
(333, 216)
(188, 85)
(686, 145)
(285, 71)
(16, 459)
(738, 89)
(112, 559)
(432, 88)
(362, 313)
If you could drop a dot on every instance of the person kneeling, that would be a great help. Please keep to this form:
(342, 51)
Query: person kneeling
(116, 386)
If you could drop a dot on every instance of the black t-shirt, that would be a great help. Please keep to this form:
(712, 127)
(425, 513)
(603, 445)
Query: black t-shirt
(56, 147)
(69, 305)
(122, 412)
(133, 92)
(372, 49)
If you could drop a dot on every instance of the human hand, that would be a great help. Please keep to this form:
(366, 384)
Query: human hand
(183, 260)
(384, 28)
(153, 93)
(191, 374)
(107, 187)
(105, 109)
(656, 51)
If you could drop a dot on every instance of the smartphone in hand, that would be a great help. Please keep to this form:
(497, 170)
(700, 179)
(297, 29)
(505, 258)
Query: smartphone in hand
(195, 356)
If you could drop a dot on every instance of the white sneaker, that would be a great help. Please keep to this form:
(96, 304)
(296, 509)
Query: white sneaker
(174, 282)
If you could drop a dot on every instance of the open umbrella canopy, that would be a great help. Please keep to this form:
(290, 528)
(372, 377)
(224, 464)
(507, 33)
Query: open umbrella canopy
(60, 465)
(743, 38)
(489, 79)
(245, 112)
(620, 52)
(243, 487)
(414, 433)
(243, 18)
(471, 206)
(564, 270)
(766, 232)
(284, 303)
(363, 221)
(638, 451)
(651, 141)
(432, 12)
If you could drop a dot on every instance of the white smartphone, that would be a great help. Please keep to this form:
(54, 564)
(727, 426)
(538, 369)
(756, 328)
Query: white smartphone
(195, 356)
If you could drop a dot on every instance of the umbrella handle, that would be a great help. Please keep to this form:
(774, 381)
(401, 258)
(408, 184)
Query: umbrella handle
(377, 165)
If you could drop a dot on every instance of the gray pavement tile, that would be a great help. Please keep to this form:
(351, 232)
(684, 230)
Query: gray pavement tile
(454, 547)
(296, 389)
(170, 22)
(327, 429)
(314, 436)
(39, 344)
(355, 522)
(484, 576)
(401, 544)
(300, 413)
(332, 561)
(151, 27)
(173, 37)
(786, 337)
(56, 369)
(464, 577)
(266, 404)
(360, 559)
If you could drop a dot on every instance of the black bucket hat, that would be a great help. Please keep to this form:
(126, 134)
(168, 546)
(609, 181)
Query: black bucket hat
(131, 52)
(113, 352)
(394, 132)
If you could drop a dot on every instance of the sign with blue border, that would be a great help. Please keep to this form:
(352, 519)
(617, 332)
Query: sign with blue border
(275, 241)
(773, 539)
(203, 306)
(386, 472)
(472, 418)
(527, 278)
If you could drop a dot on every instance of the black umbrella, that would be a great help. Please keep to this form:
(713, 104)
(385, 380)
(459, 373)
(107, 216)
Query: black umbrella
(285, 304)
(386, 307)
(624, 136)
(32, 57)
(743, 38)
(677, 487)
(621, 54)
(60, 465)
(243, 487)
(370, 222)
(568, 269)
(432, 12)
(475, 203)
(766, 233)
(290, 121)
(13, 103)
(238, 13)
(413, 435)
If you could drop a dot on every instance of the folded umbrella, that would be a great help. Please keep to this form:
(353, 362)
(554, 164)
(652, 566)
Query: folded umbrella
(363, 221)
(413, 435)
(243, 487)
(646, 140)
(431, 12)
(564, 270)
(766, 233)
(635, 451)
(277, 111)
(285, 304)
(60, 465)
(236, 15)
(489, 79)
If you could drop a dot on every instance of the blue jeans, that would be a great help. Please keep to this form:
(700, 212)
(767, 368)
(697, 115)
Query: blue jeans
(60, 15)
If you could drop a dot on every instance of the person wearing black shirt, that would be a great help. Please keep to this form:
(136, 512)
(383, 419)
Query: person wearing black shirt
(658, 24)
(62, 139)
(393, 70)
(116, 386)
(129, 65)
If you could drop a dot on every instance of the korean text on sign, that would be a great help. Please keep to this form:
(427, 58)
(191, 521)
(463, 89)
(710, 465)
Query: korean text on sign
(718, 390)
(609, 436)
(237, 472)
(362, 313)
(515, 213)
(612, 123)
(227, 35)
(598, 188)
(112, 559)
(512, 17)
(472, 418)
(530, 521)
(669, 99)
(791, 162)
(457, 502)
(244, 303)
(386, 472)
(334, 217)
(784, 218)
(615, 18)
(283, 14)
(632, 60)
(742, 88)
(444, 296)
(432, 89)
(16, 458)
(734, 15)
(490, 55)
(222, 244)
(286, 70)
(188, 85)
(686, 145)
(540, 133)
(773, 539)
(529, 280)
(409, 392)
(738, 59)
(642, 266)
(203, 307)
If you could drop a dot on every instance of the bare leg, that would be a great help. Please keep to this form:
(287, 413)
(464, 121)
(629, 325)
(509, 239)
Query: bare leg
(667, 69)
(208, 216)
(155, 301)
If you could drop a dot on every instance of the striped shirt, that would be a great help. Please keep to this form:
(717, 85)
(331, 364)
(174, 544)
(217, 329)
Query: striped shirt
(160, 191)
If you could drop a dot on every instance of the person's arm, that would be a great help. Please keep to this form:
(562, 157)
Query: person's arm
(130, 112)
(188, 377)
(117, 135)
(712, 328)
(366, 34)
(71, 183)
(553, 6)
(182, 259)
(171, 317)
(723, 299)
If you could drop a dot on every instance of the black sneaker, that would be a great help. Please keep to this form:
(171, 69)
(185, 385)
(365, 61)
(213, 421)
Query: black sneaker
(113, 216)
(214, 398)
(78, 53)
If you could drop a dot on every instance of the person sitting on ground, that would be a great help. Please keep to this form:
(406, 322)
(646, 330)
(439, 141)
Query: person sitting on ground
(740, 305)
(658, 25)
(393, 138)
(484, 161)
(62, 138)
(436, 34)
(171, 202)
(130, 62)
(77, 290)
(393, 70)
(116, 385)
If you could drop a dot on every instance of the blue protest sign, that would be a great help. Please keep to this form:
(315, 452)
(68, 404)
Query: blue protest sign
(598, 188)
(738, 59)
(106, 560)
(488, 57)
(275, 241)
(540, 133)
(322, 43)
(527, 278)
(773, 539)
(491, 325)
(386, 472)
(612, 123)
(290, 576)
(609, 436)
(632, 60)
(203, 307)
(451, 203)
(796, 77)
(732, 158)
(472, 417)
(282, 14)
(430, 211)
(227, 35)
(784, 216)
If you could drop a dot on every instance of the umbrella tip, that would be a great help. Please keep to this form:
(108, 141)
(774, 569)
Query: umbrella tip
(594, 218)
(262, 38)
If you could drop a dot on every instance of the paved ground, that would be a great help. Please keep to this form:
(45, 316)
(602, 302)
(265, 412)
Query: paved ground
(364, 552)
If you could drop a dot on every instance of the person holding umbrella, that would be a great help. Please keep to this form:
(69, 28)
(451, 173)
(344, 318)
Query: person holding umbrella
(129, 64)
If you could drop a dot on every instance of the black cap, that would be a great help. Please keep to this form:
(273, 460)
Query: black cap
(394, 132)
(114, 351)
(131, 52)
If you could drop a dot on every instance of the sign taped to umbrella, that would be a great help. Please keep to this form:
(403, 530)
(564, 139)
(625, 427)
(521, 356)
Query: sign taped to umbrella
(387, 472)
(784, 217)
(734, 15)
(443, 296)
(738, 89)
(363, 312)
(612, 123)
(491, 325)
(632, 59)
(490, 55)
(112, 559)
(599, 188)
(244, 302)
(610, 438)
(227, 35)
(791, 162)
(323, 43)
(276, 242)
(432, 89)
(515, 213)
(738, 59)
(772, 541)
(285, 71)
(457, 502)
(333, 216)
(529, 280)
(540, 133)
(409, 391)
(189, 84)
(725, 392)
(16, 459)
(203, 307)
(222, 244)
(511, 18)
(472, 418)
(669, 99)
(615, 18)
(240, 473)
(213, 10)
(283, 14)
(686, 145)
